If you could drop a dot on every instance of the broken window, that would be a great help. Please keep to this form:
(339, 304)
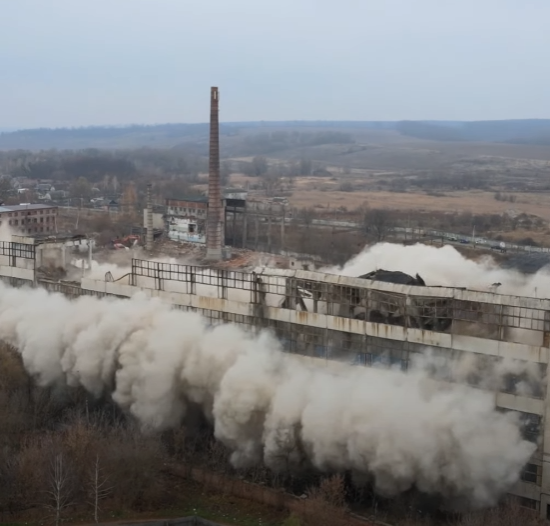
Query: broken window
(530, 473)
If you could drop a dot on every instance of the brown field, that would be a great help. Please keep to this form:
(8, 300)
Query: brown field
(322, 192)
(473, 201)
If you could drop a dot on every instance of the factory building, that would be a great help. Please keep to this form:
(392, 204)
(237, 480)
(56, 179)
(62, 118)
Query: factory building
(339, 321)
(186, 217)
(187, 207)
(29, 219)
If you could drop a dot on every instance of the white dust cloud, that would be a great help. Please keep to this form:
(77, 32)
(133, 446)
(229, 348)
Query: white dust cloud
(445, 266)
(402, 430)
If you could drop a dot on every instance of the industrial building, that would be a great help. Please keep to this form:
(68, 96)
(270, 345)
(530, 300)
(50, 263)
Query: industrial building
(208, 219)
(29, 219)
(186, 217)
(328, 319)
(187, 207)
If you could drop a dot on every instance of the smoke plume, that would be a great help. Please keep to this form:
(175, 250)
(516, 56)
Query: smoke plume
(399, 429)
(447, 267)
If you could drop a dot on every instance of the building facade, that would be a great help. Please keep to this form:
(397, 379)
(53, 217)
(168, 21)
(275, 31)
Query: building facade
(29, 219)
(187, 207)
(334, 320)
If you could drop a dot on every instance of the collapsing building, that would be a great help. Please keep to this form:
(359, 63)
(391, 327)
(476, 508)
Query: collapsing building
(314, 315)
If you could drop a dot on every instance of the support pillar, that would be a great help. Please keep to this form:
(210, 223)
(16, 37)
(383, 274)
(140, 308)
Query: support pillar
(283, 229)
(90, 254)
(269, 231)
(245, 224)
(234, 227)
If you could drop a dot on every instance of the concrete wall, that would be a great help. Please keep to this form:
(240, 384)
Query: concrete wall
(158, 220)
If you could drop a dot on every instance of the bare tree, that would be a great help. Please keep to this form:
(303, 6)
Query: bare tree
(60, 488)
(98, 486)
(377, 223)
(271, 183)
(6, 188)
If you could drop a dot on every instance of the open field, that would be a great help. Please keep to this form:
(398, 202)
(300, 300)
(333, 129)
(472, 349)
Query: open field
(474, 202)
(325, 193)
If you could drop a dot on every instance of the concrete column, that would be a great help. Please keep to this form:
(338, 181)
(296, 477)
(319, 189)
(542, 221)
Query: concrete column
(257, 231)
(545, 483)
(283, 229)
(90, 254)
(63, 256)
(269, 231)
(234, 226)
(245, 225)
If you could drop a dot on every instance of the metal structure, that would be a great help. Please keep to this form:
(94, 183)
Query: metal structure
(214, 224)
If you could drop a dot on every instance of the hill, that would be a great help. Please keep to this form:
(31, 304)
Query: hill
(530, 131)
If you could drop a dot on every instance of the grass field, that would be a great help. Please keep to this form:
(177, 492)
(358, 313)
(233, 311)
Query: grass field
(324, 193)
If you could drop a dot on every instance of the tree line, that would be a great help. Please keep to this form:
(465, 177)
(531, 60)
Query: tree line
(93, 165)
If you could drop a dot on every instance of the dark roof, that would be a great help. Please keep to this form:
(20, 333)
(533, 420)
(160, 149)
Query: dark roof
(190, 199)
(393, 276)
(238, 203)
(19, 208)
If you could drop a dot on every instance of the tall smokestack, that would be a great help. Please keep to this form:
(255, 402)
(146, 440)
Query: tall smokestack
(149, 222)
(214, 228)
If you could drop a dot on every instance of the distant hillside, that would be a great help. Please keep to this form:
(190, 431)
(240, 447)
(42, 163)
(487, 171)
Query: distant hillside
(164, 135)
(161, 136)
(529, 131)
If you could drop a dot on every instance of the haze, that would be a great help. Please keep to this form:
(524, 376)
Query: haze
(67, 63)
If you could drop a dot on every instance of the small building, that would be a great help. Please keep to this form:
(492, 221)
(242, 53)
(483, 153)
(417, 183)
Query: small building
(186, 216)
(112, 206)
(182, 229)
(235, 193)
(187, 207)
(29, 219)
(44, 188)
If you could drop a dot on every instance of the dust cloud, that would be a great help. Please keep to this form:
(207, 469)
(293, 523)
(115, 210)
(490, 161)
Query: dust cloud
(445, 266)
(399, 429)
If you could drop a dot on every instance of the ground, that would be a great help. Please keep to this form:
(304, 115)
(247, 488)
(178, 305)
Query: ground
(323, 192)
(192, 499)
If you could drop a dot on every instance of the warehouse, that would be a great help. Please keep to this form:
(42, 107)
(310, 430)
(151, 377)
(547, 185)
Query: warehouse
(29, 219)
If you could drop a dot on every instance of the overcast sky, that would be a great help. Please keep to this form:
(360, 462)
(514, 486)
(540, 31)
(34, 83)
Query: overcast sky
(88, 62)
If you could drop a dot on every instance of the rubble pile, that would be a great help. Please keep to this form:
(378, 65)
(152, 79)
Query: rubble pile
(52, 272)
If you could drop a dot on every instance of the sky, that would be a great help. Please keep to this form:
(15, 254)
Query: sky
(114, 62)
